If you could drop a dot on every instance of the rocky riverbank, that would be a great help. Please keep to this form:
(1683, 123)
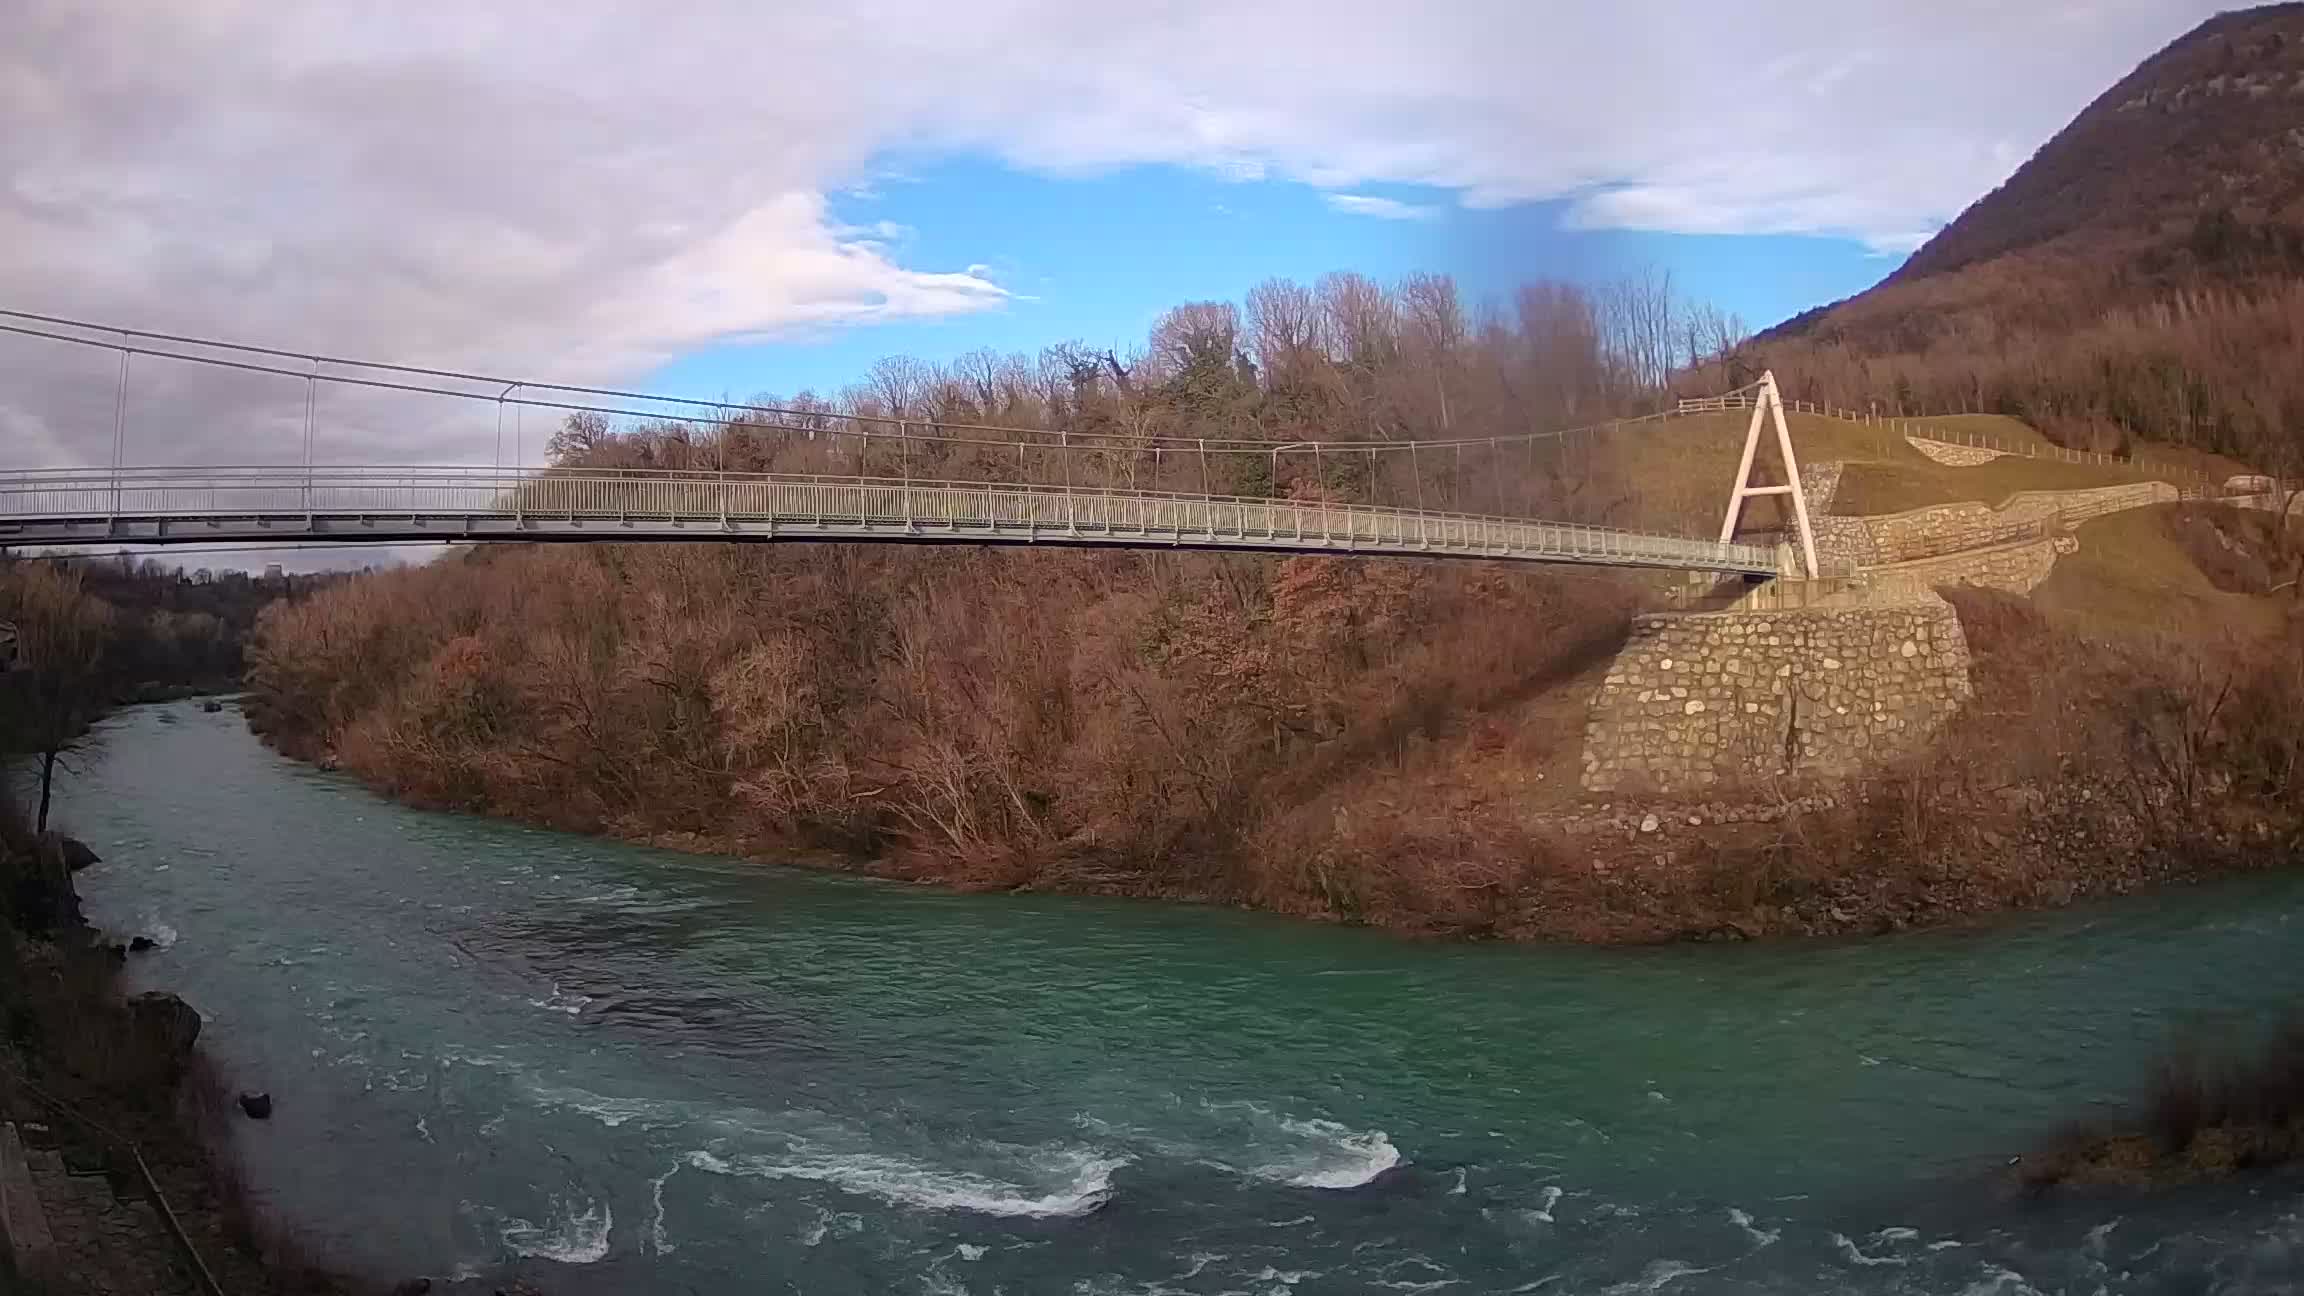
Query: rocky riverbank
(119, 1114)
(121, 1124)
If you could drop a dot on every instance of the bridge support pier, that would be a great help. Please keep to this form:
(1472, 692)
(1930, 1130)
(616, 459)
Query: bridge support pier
(1707, 702)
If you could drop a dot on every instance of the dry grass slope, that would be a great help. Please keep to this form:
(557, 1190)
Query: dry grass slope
(2200, 573)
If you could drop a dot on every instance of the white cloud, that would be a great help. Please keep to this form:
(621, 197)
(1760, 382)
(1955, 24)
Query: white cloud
(1380, 208)
(1748, 195)
(584, 187)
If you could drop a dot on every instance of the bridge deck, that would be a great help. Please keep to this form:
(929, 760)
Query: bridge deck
(385, 505)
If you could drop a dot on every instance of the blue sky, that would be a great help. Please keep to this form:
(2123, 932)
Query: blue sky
(1098, 257)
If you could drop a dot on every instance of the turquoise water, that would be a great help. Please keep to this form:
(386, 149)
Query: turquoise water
(499, 1050)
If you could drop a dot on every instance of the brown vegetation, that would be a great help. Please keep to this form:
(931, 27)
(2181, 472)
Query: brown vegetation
(1372, 741)
(1346, 359)
(1139, 723)
(2206, 1113)
(52, 693)
(2203, 368)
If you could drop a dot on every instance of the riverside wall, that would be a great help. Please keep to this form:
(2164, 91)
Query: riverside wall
(1721, 699)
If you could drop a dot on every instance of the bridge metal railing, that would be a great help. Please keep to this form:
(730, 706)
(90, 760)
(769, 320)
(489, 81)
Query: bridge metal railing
(93, 505)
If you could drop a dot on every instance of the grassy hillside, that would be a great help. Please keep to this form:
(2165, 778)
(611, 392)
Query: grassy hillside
(1676, 475)
(1872, 487)
(2196, 573)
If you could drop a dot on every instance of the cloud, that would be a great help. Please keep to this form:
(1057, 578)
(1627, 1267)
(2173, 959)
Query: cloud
(1380, 208)
(583, 188)
(1747, 195)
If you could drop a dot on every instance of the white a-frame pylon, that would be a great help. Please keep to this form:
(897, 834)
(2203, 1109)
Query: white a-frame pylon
(1768, 404)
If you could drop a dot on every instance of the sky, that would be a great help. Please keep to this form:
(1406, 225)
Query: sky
(725, 197)
(1098, 258)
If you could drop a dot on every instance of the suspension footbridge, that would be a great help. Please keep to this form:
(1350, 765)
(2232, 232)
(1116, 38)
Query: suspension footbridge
(753, 473)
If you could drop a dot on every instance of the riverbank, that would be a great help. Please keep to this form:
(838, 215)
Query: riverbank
(1334, 739)
(123, 1121)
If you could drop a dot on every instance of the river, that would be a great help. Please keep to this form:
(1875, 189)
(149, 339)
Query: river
(498, 1049)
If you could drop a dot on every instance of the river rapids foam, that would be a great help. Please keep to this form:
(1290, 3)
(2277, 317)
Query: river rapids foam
(572, 1237)
(1329, 1155)
(1249, 1138)
(1077, 1180)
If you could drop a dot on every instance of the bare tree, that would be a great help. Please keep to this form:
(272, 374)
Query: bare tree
(979, 374)
(902, 385)
(1560, 331)
(55, 691)
(1196, 335)
(1636, 326)
(1711, 334)
(579, 439)
(1360, 321)
(1283, 328)
(1435, 330)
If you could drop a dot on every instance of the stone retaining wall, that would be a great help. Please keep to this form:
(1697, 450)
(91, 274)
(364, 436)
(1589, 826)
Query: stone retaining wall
(1953, 455)
(1942, 525)
(1844, 540)
(2017, 568)
(2080, 505)
(1840, 541)
(1703, 700)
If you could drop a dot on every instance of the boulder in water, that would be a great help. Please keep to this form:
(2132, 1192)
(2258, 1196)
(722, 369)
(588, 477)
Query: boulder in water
(211, 707)
(139, 944)
(76, 854)
(167, 1025)
(258, 1106)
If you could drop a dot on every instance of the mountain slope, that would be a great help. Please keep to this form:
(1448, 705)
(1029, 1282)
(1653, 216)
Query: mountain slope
(2141, 277)
(2213, 123)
